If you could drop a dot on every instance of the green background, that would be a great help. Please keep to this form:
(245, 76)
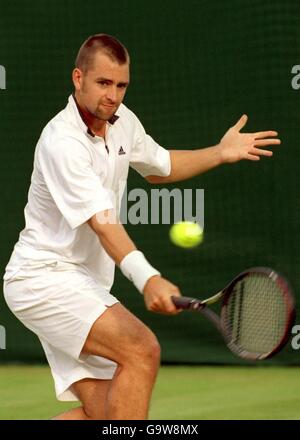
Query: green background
(197, 66)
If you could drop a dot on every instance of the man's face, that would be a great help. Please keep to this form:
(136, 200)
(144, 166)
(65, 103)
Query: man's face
(102, 88)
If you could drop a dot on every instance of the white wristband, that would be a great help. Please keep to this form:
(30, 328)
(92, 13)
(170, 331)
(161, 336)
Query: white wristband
(137, 269)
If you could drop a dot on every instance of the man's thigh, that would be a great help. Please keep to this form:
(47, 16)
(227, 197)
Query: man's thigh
(117, 334)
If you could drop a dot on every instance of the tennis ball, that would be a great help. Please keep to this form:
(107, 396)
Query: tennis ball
(186, 234)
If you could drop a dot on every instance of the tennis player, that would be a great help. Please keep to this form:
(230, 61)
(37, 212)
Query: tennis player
(59, 277)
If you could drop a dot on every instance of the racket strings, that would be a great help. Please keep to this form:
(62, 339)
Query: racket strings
(256, 314)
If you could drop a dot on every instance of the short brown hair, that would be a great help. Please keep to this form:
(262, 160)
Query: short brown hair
(104, 43)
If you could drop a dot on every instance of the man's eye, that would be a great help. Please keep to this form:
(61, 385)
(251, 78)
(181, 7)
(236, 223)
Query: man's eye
(103, 83)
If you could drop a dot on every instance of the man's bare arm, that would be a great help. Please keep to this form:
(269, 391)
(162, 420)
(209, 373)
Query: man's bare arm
(117, 243)
(112, 236)
(233, 147)
(186, 164)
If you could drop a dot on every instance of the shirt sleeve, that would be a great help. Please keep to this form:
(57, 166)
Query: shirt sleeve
(147, 156)
(75, 187)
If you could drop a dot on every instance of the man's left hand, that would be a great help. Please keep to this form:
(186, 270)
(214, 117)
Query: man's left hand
(235, 146)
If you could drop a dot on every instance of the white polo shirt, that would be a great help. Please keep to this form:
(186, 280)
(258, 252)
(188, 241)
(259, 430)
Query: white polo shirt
(74, 177)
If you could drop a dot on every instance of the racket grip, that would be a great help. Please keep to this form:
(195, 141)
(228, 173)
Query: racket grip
(183, 302)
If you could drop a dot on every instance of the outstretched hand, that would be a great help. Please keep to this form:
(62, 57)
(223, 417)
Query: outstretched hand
(236, 146)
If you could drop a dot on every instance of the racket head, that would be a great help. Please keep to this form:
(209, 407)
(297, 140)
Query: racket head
(257, 313)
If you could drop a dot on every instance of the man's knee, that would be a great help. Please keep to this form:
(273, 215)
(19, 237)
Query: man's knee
(145, 350)
(93, 412)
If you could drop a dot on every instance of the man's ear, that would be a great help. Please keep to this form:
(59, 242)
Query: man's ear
(77, 78)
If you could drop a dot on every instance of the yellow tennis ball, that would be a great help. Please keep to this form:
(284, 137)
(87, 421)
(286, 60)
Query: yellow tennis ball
(186, 234)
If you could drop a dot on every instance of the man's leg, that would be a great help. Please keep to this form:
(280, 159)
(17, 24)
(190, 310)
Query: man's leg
(93, 395)
(120, 336)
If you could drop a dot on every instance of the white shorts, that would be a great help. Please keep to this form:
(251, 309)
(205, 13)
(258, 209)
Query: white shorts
(59, 302)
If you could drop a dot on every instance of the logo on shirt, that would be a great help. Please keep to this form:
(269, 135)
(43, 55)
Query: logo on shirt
(121, 151)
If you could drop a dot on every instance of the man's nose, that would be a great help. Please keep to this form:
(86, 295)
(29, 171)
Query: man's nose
(112, 94)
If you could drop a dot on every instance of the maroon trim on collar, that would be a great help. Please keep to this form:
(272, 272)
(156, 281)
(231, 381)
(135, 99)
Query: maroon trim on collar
(112, 120)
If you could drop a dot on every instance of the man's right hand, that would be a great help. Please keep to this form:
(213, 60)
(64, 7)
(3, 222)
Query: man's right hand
(157, 295)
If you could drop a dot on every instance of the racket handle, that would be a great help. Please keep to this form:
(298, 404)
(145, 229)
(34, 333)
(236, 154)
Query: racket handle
(183, 302)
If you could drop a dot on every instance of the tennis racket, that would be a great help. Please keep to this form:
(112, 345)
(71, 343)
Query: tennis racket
(257, 312)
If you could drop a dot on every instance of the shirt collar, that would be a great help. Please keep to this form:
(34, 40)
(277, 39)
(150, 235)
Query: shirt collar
(73, 101)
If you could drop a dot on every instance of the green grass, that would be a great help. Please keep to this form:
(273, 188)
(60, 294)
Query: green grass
(197, 393)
